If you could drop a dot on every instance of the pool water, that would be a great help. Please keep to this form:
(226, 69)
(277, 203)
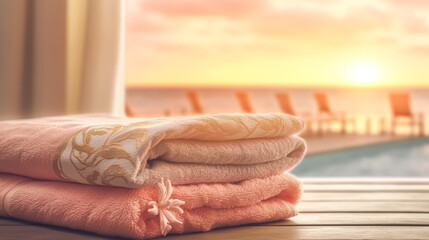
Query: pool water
(407, 158)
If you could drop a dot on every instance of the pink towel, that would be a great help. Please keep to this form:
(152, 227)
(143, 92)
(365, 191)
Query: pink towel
(130, 213)
(139, 152)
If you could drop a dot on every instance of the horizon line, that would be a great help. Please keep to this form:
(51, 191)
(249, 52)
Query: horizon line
(186, 86)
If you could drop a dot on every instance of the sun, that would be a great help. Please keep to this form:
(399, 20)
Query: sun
(363, 73)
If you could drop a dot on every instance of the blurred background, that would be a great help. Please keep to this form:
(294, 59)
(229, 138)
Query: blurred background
(356, 72)
(356, 51)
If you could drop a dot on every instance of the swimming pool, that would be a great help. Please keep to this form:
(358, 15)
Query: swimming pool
(406, 158)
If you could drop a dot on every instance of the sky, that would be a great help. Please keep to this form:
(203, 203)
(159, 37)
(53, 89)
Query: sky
(269, 43)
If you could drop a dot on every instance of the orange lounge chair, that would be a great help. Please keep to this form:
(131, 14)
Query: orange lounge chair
(285, 103)
(129, 112)
(286, 106)
(401, 110)
(194, 99)
(244, 101)
(328, 116)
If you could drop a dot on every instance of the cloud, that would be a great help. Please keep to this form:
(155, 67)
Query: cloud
(146, 24)
(422, 4)
(271, 25)
(414, 25)
(420, 49)
(204, 8)
(320, 26)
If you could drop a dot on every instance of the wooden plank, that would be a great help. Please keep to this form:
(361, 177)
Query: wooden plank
(411, 207)
(11, 222)
(41, 232)
(364, 196)
(365, 188)
(367, 180)
(245, 232)
(310, 232)
(356, 219)
(325, 219)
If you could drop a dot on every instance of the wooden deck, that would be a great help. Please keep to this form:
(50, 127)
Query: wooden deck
(330, 209)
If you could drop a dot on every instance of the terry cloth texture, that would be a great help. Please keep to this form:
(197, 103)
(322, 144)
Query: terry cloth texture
(135, 153)
(124, 212)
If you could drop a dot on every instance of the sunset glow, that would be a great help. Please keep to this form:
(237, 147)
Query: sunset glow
(364, 74)
(277, 43)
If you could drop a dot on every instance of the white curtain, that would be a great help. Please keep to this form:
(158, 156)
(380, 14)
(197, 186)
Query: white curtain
(61, 57)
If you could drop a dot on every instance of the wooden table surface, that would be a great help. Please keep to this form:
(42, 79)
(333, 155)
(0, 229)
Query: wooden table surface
(330, 209)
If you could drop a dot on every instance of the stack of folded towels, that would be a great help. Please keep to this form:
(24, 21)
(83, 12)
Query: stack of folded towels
(142, 178)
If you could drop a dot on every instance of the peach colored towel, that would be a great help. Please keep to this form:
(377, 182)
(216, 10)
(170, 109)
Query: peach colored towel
(125, 212)
(135, 153)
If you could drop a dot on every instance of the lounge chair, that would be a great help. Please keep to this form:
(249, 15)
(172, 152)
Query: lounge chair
(285, 103)
(286, 106)
(194, 99)
(128, 111)
(328, 116)
(401, 110)
(244, 101)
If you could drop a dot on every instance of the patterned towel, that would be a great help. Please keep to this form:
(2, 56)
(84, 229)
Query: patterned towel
(135, 153)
